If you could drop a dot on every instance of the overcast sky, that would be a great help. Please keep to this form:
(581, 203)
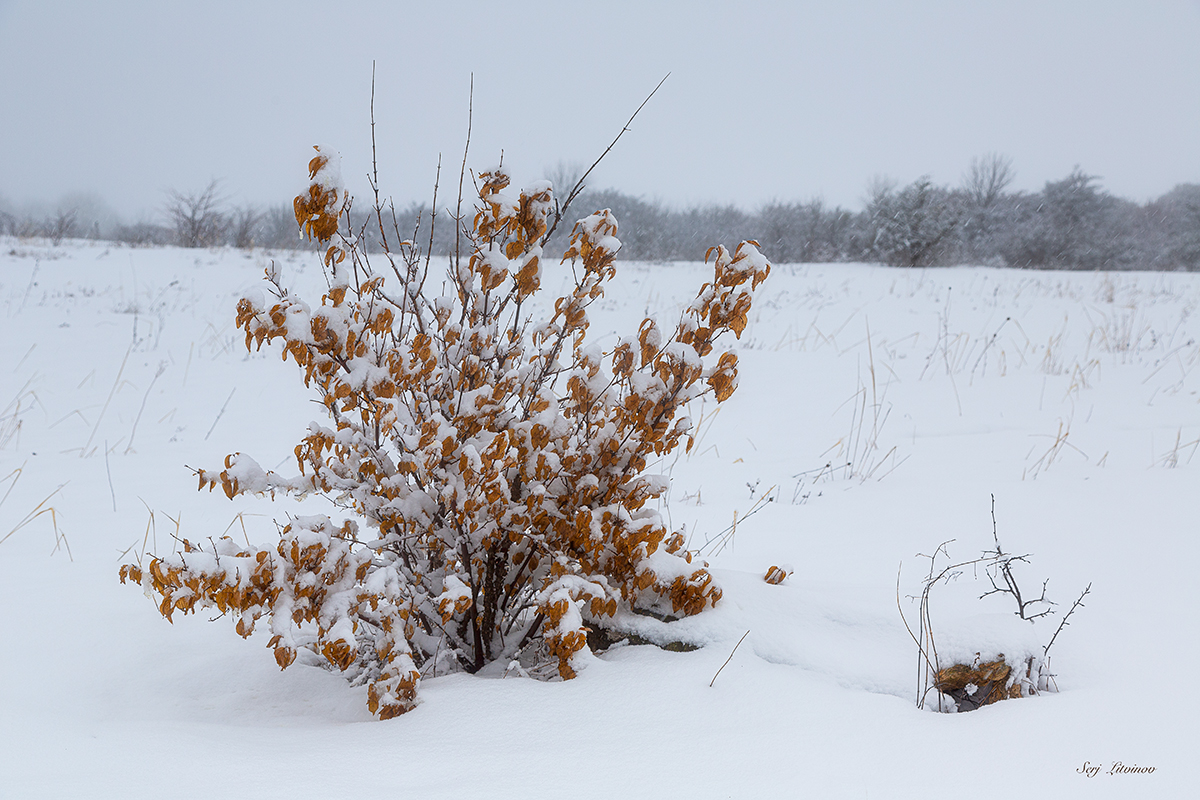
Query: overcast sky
(765, 100)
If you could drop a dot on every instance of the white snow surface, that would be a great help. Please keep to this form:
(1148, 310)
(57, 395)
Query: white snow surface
(1072, 397)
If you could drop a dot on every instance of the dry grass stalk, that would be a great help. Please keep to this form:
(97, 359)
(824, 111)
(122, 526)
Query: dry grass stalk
(1053, 452)
(40, 510)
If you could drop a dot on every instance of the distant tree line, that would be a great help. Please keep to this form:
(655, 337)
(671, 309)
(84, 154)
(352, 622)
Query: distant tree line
(197, 219)
(1071, 223)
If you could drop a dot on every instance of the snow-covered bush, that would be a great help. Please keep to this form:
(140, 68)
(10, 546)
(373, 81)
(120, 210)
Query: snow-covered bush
(499, 462)
(911, 227)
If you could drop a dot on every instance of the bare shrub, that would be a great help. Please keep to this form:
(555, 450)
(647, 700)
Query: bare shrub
(143, 234)
(277, 229)
(62, 225)
(966, 687)
(196, 217)
(243, 225)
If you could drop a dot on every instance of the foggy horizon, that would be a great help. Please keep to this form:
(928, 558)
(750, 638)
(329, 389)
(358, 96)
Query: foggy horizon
(771, 102)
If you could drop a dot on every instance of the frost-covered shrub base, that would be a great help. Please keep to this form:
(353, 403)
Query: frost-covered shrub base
(498, 462)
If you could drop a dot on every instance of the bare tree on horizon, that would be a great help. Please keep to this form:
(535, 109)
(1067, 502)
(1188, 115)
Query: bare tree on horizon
(196, 217)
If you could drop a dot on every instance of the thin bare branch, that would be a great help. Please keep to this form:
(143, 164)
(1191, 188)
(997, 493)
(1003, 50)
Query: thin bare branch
(735, 647)
(458, 217)
(1064, 623)
(559, 212)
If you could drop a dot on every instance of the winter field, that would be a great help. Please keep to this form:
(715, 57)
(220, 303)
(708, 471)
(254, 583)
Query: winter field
(878, 411)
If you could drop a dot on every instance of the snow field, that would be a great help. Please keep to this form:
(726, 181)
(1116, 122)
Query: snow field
(878, 411)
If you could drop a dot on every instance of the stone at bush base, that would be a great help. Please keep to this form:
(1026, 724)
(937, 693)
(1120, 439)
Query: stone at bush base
(990, 680)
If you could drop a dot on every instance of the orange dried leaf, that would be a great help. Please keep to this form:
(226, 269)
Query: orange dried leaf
(776, 575)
